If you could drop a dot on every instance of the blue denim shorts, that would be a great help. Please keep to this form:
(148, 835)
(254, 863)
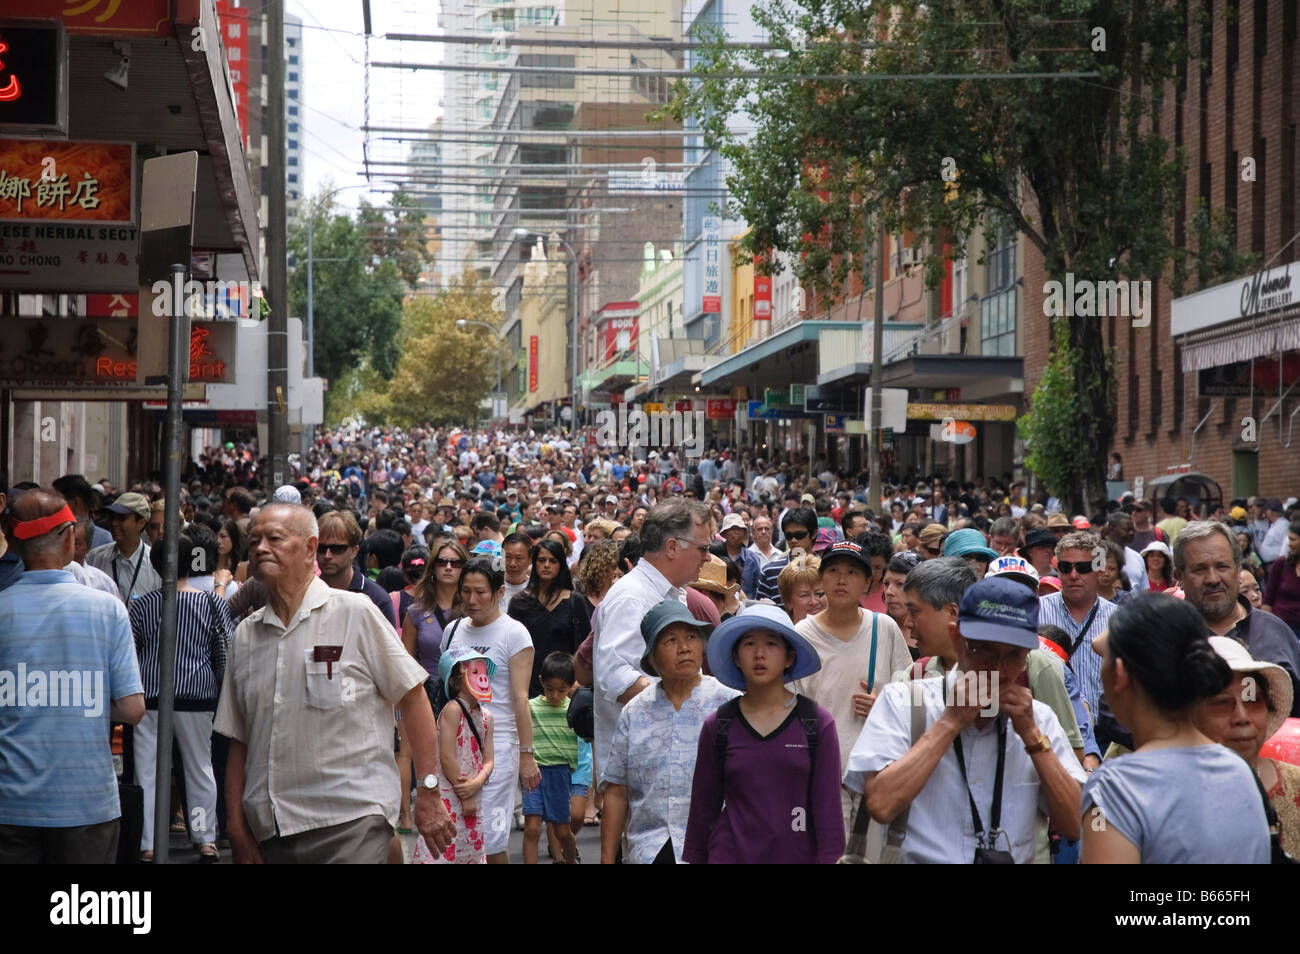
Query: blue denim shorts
(550, 799)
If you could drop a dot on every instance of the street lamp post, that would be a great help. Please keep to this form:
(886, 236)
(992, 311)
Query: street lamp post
(461, 323)
(573, 408)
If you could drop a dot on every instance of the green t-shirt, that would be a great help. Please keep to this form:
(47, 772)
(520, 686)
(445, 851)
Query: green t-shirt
(554, 741)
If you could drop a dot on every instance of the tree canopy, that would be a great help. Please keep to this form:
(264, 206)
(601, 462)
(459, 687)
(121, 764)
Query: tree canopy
(1077, 160)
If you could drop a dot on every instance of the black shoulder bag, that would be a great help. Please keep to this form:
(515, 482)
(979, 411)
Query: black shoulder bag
(433, 687)
(986, 850)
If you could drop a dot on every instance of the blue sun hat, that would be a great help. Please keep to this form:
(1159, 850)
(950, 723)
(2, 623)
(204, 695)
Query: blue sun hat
(453, 657)
(758, 616)
(968, 542)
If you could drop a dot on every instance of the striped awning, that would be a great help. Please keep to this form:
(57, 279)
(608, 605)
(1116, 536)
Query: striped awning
(1241, 341)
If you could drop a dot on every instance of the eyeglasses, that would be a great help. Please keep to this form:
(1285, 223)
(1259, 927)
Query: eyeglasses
(703, 548)
(1082, 567)
(456, 562)
(334, 548)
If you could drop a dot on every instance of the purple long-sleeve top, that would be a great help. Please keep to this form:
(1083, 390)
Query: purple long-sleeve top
(761, 813)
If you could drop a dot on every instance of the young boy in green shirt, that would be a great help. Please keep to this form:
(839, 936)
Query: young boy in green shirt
(557, 756)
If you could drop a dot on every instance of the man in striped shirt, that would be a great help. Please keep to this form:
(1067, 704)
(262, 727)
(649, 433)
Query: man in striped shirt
(1078, 610)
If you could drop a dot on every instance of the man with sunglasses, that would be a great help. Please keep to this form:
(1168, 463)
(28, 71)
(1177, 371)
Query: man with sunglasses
(799, 531)
(336, 555)
(1079, 610)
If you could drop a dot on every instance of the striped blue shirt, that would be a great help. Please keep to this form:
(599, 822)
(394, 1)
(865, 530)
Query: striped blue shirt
(1085, 663)
(65, 653)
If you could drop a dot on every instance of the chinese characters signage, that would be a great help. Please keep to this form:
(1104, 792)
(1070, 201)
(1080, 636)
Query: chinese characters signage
(721, 408)
(712, 265)
(65, 181)
(89, 257)
(973, 412)
(762, 297)
(234, 40)
(532, 363)
(33, 78)
(58, 352)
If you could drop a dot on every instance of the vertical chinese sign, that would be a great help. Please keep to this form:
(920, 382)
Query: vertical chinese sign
(712, 304)
(234, 40)
(532, 364)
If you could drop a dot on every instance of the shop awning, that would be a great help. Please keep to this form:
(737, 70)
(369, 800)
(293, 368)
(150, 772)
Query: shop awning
(1241, 341)
(804, 331)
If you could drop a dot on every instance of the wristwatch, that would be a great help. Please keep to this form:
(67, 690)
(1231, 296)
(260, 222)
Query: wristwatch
(1042, 745)
(430, 781)
(527, 750)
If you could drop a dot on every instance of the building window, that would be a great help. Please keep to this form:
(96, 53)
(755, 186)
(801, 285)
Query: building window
(292, 42)
(293, 144)
(293, 127)
(293, 110)
(293, 93)
(998, 323)
(293, 59)
(293, 160)
(293, 77)
(959, 286)
(293, 177)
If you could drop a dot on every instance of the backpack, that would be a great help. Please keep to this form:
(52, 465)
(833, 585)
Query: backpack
(805, 711)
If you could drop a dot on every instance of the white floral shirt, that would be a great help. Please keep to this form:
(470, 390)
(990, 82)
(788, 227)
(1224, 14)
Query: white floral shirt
(653, 754)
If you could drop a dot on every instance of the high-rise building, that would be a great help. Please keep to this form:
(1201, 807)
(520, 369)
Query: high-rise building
(293, 76)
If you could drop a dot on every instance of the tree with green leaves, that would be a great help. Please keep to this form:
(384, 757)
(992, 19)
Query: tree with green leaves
(363, 269)
(446, 371)
(947, 118)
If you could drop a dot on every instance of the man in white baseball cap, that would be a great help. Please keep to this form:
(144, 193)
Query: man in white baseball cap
(736, 536)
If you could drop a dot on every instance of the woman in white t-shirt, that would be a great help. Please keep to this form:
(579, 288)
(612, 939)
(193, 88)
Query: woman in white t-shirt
(507, 643)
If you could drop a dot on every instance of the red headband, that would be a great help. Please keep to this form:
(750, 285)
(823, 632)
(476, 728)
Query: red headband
(27, 529)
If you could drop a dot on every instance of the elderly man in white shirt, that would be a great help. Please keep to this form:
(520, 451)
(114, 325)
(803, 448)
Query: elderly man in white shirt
(675, 538)
(1274, 545)
(945, 779)
(311, 683)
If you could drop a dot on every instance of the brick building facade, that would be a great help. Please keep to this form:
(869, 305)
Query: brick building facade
(1238, 104)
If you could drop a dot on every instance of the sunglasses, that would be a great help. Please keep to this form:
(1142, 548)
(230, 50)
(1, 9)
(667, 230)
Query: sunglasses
(1082, 567)
(933, 551)
(456, 562)
(334, 548)
(797, 534)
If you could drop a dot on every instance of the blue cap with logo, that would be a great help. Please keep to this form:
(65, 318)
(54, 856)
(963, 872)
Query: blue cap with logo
(999, 610)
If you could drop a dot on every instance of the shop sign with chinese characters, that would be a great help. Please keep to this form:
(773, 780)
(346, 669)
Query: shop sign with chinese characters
(58, 352)
(49, 181)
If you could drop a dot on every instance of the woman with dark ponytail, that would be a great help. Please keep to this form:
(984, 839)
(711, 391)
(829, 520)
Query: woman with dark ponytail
(1178, 798)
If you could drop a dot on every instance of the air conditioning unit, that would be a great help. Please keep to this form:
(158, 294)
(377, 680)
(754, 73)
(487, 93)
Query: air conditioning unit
(908, 257)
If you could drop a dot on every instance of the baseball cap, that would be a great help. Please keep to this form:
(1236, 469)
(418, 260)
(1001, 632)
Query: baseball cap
(130, 502)
(610, 498)
(808, 499)
(1237, 513)
(847, 551)
(287, 494)
(1275, 504)
(1014, 568)
(1082, 523)
(1001, 611)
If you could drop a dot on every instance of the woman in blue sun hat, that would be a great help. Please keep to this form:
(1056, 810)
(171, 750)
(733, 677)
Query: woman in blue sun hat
(767, 773)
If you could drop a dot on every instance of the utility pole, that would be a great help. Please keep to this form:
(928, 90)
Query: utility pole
(277, 364)
(877, 370)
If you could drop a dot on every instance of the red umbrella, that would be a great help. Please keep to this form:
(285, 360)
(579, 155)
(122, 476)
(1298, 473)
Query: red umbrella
(1285, 743)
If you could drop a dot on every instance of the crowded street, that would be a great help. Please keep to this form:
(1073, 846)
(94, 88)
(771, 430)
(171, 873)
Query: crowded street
(776, 433)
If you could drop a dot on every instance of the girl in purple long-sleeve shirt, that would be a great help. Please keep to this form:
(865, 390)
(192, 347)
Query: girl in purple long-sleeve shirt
(768, 792)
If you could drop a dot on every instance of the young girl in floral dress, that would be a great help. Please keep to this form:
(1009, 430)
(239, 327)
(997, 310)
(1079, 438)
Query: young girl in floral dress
(465, 748)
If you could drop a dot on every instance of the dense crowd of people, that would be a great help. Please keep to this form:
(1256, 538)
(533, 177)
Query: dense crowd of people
(456, 633)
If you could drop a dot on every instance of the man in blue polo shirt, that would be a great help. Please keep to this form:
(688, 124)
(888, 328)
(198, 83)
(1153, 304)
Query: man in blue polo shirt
(67, 668)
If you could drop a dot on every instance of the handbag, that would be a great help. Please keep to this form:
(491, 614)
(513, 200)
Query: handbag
(986, 850)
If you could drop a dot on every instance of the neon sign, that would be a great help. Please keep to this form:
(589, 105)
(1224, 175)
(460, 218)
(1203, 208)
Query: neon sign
(13, 89)
(33, 78)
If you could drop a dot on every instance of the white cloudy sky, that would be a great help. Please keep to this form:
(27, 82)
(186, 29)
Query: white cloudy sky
(334, 83)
